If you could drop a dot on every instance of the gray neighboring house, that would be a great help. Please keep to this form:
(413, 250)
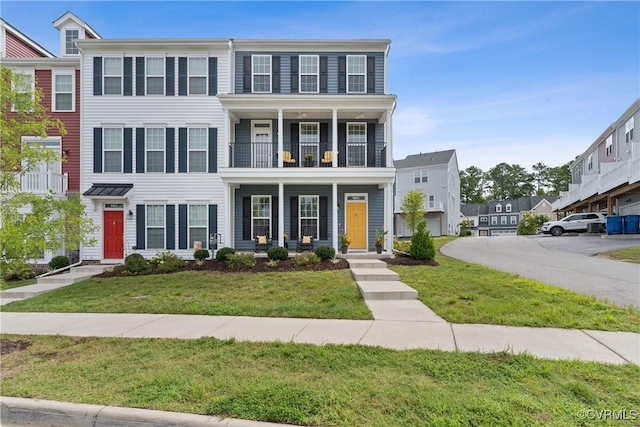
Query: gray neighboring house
(501, 217)
(438, 176)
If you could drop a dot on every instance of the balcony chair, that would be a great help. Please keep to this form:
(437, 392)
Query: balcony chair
(262, 239)
(305, 241)
(327, 159)
(287, 161)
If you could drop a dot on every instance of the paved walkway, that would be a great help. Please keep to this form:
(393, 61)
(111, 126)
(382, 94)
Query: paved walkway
(613, 281)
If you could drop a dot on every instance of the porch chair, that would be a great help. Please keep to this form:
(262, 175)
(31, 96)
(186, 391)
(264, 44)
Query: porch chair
(305, 241)
(327, 158)
(287, 160)
(263, 241)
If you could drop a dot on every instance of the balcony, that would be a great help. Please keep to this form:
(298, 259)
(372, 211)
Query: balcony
(306, 155)
(44, 183)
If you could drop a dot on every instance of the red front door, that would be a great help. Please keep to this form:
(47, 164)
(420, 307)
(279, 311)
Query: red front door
(113, 234)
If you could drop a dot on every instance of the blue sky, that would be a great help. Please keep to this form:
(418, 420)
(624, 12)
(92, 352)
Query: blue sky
(515, 82)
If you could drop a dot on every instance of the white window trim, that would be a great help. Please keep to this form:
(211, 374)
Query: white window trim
(514, 220)
(253, 196)
(54, 93)
(356, 74)
(189, 150)
(147, 150)
(628, 129)
(609, 145)
(104, 75)
(270, 74)
(163, 75)
(206, 226)
(503, 220)
(498, 207)
(206, 76)
(366, 138)
(300, 73)
(590, 162)
(64, 40)
(431, 201)
(309, 144)
(494, 220)
(317, 217)
(104, 149)
(147, 226)
(508, 207)
(26, 72)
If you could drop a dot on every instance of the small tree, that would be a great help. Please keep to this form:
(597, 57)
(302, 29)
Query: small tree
(413, 209)
(530, 224)
(422, 246)
(465, 224)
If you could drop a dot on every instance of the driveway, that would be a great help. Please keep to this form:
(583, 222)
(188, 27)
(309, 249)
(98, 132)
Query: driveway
(564, 261)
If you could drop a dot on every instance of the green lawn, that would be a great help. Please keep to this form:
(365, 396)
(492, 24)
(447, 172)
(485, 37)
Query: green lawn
(318, 385)
(625, 254)
(4, 285)
(324, 295)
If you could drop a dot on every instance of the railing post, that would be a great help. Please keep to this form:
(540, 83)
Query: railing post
(49, 181)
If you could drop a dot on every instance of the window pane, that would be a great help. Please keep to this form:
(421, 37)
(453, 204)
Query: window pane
(308, 64)
(262, 83)
(155, 161)
(198, 234)
(112, 161)
(155, 86)
(155, 216)
(113, 66)
(63, 83)
(262, 64)
(155, 138)
(308, 83)
(63, 101)
(357, 132)
(197, 66)
(112, 85)
(356, 64)
(70, 37)
(197, 161)
(356, 155)
(416, 177)
(198, 216)
(356, 83)
(112, 139)
(309, 132)
(155, 67)
(155, 238)
(198, 139)
(197, 85)
(261, 207)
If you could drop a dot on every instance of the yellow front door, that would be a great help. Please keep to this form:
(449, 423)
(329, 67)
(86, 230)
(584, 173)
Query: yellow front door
(357, 225)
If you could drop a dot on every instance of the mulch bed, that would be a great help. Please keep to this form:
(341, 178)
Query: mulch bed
(282, 266)
(8, 346)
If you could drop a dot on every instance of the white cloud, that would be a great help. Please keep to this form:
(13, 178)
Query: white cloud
(413, 122)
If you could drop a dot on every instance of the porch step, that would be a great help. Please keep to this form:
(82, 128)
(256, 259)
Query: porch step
(92, 268)
(363, 255)
(366, 263)
(65, 278)
(374, 275)
(386, 290)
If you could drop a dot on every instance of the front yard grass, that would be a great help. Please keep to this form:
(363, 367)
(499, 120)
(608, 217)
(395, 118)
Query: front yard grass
(4, 285)
(319, 385)
(625, 254)
(322, 295)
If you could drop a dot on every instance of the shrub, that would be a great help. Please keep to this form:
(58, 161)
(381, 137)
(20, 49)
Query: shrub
(530, 224)
(167, 262)
(16, 270)
(223, 253)
(402, 245)
(136, 264)
(325, 252)
(278, 253)
(240, 261)
(307, 258)
(200, 255)
(59, 262)
(422, 246)
(273, 263)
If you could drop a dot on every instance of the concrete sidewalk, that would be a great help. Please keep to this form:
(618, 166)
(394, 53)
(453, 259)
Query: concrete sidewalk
(551, 343)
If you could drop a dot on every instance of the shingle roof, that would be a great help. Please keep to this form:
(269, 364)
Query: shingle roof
(424, 159)
(108, 190)
(522, 204)
(474, 209)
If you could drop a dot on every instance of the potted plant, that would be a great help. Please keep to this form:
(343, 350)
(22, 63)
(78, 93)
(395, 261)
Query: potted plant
(344, 243)
(286, 236)
(308, 159)
(380, 239)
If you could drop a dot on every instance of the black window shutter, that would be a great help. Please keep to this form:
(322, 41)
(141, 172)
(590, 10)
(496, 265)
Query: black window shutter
(324, 137)
(274, 219)
(275, 74)
(342, 144)
(324, 85)
(171, 150)
(97, 75)
(213, 221)
(293, 225)
(371, 144)
(342, 74)
(128, 76)
(97, 150)
(213, 76)
(246, 218)
(182, 227)
(213, 150)
(182, 150)
(246, 74)
(182, 76)
(171, 226)
(139, 150)
(294, 74)
(139, 76)
(128, 150)
(170, 83)
(140, 226)
(371, 74)
(324, 216)
(295, 141)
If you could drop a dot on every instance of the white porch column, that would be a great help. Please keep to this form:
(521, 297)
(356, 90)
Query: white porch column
(388, 216)
(334, 138)
(280, 140)
(334, 222)
(280, 210)
(227, 217)
(227, 140)
(389, 136)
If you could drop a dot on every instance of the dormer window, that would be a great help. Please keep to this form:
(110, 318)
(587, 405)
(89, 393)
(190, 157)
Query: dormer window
(508, 207)
(498, 207)
(70, 37)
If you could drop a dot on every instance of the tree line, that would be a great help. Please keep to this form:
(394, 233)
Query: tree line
(505, 181)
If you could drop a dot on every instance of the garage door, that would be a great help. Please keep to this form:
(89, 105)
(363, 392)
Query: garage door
(632, 209)
(503, 232)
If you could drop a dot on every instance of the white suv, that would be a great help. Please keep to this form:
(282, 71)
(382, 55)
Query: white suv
(577, 223)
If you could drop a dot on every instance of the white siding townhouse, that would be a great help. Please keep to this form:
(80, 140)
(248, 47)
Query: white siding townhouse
(188, 140)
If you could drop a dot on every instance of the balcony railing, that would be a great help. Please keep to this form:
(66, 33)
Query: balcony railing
(43, 183)
(305, 154)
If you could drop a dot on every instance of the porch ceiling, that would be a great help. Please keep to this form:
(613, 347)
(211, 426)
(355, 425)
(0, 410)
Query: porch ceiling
(341, 176)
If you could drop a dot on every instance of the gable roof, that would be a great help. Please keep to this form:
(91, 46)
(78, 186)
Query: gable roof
(25, 39)
(474, 209)
(424, 159)
(68, 16)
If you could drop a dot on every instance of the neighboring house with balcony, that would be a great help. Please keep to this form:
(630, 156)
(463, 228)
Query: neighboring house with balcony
(59, 80)
(187, 140)
(606, 177)
(437, 175)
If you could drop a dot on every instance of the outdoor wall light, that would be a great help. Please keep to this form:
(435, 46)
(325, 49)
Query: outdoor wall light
(130, 214)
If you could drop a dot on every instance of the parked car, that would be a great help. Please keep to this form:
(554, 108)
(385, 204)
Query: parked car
(576, 223)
